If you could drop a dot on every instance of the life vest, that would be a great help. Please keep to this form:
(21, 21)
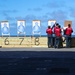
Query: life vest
(69, 31)
(55, 29)
(58, 32)
(49, 31)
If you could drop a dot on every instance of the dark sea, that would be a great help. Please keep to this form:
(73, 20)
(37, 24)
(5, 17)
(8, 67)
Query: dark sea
(37, 63)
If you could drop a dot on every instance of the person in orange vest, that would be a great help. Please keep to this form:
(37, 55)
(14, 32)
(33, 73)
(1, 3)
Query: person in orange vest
(49, 35)
(57, 32)
(68, 34)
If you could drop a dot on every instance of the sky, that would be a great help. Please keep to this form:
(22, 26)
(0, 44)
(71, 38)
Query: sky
(43, 10)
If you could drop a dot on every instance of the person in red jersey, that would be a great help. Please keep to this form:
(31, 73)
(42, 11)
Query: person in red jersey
(57, 32)
(68, 34)
(61, 39)
(49, 35)
(53, 35)
(57, 26)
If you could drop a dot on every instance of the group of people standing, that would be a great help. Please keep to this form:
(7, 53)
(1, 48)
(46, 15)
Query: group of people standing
(55, 35)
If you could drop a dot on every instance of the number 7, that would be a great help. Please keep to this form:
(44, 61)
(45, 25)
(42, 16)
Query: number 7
(21, 40)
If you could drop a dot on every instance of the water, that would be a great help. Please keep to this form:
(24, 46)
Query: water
(37, 63)
(31, 36)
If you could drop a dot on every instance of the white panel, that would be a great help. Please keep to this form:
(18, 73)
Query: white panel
(36, 27)
(51, 22)
(5, 29)
(21, 27)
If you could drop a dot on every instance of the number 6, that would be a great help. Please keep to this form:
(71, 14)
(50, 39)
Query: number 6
(6, 42)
